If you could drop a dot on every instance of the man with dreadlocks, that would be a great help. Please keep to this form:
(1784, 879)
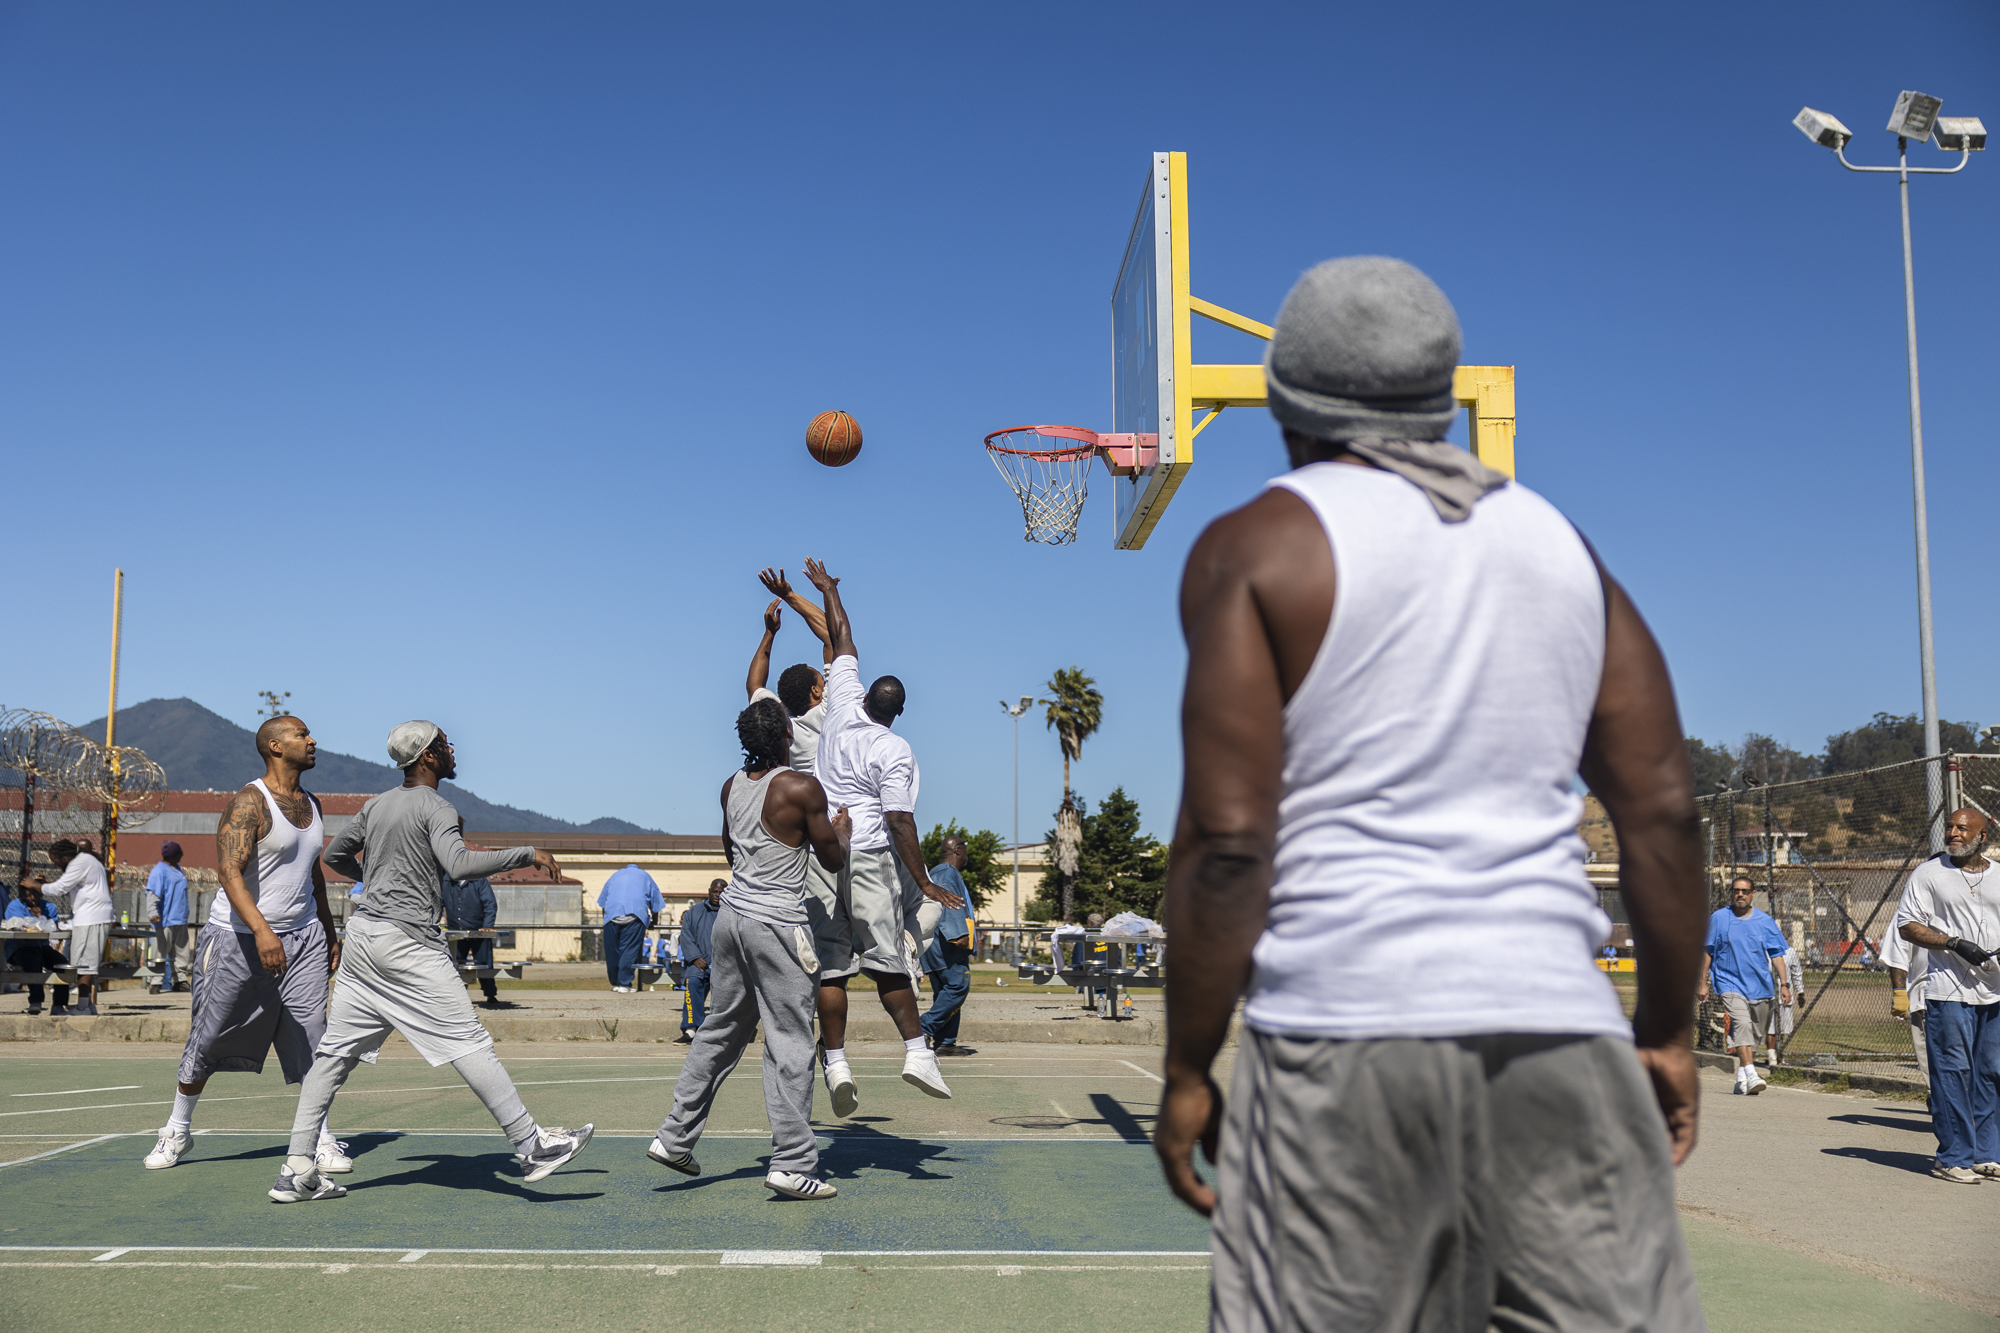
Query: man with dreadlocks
(761, 962)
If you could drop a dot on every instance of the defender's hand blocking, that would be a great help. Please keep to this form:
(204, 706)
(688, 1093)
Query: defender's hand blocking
(773, 615)
(775, 582)
(822, 580)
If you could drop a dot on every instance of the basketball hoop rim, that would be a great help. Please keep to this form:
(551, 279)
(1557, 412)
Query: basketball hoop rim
(1087, 442)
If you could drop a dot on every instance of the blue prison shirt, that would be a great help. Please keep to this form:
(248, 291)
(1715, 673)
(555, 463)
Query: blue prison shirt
(630, 892)
(1741, 949)
(169, 886)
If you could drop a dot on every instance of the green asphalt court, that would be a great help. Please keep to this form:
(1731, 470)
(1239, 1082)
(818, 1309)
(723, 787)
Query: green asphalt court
(1029, 1200)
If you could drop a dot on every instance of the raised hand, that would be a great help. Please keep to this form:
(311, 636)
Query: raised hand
(822, 580)
(775, 581)
(773, 614)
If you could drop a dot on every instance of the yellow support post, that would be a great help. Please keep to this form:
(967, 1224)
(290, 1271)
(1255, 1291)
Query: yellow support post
(1487, 395)
(111, 724)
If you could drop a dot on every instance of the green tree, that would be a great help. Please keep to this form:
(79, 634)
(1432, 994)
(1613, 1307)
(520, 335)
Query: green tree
(1713, 765)
(983, 871)
(1890, 739)
(1075, 711)
(1119, 868)
(1769, 761)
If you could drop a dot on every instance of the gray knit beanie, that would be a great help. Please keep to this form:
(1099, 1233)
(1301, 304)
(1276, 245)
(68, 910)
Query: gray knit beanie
(1364, 346)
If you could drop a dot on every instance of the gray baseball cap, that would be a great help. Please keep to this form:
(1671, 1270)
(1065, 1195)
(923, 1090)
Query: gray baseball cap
(408, 742)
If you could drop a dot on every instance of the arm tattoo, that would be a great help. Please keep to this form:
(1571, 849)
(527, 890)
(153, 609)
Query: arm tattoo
(244, 824)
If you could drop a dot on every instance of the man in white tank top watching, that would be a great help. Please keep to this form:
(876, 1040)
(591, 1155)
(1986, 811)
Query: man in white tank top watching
(396, 971)
(261, 963)
(1398, 665)
(761, 960)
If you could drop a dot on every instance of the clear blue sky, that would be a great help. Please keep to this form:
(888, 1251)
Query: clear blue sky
(454, 360)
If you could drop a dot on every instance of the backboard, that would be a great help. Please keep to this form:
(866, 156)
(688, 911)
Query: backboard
(1149, 353)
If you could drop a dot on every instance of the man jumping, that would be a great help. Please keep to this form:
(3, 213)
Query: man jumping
(870, 770)
(396, 972)
(761, 961)
(259, 978)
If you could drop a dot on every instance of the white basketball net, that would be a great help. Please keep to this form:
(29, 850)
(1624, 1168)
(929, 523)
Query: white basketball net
(1048, 468)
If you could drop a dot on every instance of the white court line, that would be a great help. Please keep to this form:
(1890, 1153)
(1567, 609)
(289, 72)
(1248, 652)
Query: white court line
(412, 1256)
(789, 1258)
(110, 1254)
(102, 1138)
(378, 1249)
(1147, 1072)
(76, 1092)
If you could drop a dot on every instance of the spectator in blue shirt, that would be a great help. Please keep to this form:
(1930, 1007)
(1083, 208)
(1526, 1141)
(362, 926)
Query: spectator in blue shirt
(630, 900)
(36, 955)
(948, 962)
(470, 905)
(697, 927)
(1746, 968)
(167, 889)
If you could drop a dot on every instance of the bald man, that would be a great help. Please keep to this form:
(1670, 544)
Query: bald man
(261, 964)
(1951, 912)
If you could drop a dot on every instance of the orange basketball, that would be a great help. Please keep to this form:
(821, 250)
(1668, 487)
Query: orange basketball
(834, 438)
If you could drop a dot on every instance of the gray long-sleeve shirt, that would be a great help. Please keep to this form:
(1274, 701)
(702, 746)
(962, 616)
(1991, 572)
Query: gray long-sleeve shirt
(408, 838)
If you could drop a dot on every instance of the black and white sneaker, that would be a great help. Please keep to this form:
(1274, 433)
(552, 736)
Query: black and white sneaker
(682, 1162)
(303, 1188)
(557, 1146)
(797, 1185)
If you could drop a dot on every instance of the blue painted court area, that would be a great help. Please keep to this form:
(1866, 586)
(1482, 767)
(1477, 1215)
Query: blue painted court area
(462, 1191)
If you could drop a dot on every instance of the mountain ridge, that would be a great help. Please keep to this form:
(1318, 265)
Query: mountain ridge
(202, 750)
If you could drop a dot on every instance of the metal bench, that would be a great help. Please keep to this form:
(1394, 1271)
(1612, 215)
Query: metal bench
(1106, 975)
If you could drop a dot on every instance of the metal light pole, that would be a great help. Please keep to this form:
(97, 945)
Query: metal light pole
(1014, 711)
(1915, 117)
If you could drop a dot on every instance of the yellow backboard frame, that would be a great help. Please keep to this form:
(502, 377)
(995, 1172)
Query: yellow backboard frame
(1485, 392)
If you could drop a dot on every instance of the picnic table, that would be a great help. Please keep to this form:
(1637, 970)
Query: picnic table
(56, 937)
(1111, 973)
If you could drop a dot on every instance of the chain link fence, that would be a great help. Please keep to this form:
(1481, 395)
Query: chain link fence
(1830, 857)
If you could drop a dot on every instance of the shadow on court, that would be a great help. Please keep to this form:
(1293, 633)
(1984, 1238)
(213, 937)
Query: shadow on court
(1915, 1163)
(478, 1172)
(1921, 1124)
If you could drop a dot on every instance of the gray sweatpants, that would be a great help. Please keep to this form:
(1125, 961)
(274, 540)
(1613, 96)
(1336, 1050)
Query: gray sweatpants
(755, 971)
(1505, 1182)
(1922, 1043)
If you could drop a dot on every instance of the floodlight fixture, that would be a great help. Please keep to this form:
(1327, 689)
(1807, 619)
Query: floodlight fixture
(1914, 116)
(1961, 134)
(1822, 129)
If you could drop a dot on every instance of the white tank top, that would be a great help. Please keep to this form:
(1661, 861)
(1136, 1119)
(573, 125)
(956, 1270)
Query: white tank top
(1429, 878)
(279, 877)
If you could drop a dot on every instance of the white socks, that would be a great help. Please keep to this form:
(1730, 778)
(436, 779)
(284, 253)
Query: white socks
(326, 1133)
(915, 1044)
(836, 1056)
(183, 1116)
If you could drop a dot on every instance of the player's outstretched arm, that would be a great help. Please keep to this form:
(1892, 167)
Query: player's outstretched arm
(760, 661)
(1635, 760)
(840, 634)
(1219, 883)
(814, 617)
(910, 851)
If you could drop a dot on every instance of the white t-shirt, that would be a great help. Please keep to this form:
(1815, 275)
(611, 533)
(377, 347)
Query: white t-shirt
(862, 764)
(805, 730)
(1961, 903)
(1899, 952)
(84, 883)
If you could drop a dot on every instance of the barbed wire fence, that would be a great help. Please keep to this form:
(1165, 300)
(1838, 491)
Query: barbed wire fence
(1831, 856)
(67, 787)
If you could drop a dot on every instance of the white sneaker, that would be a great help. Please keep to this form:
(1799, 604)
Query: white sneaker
(557, 1146)
(796, 1185)
(1957, 1175)
(331, 1158)
(841, 1088)
(168, 1151)
(920, 1070)
(1754, 1085)
(303, 1189)
(1991, 1170)
(621, 990)
(682, 1162)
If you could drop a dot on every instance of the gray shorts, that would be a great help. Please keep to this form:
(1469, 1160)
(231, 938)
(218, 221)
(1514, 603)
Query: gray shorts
(241, 1012)
(1447, 1186)
(1749, 1020)
(826, 915)
(389, 982)
(889, 921)
(86, 947)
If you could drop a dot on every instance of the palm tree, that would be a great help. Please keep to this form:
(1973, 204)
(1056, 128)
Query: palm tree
(1074, 713)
